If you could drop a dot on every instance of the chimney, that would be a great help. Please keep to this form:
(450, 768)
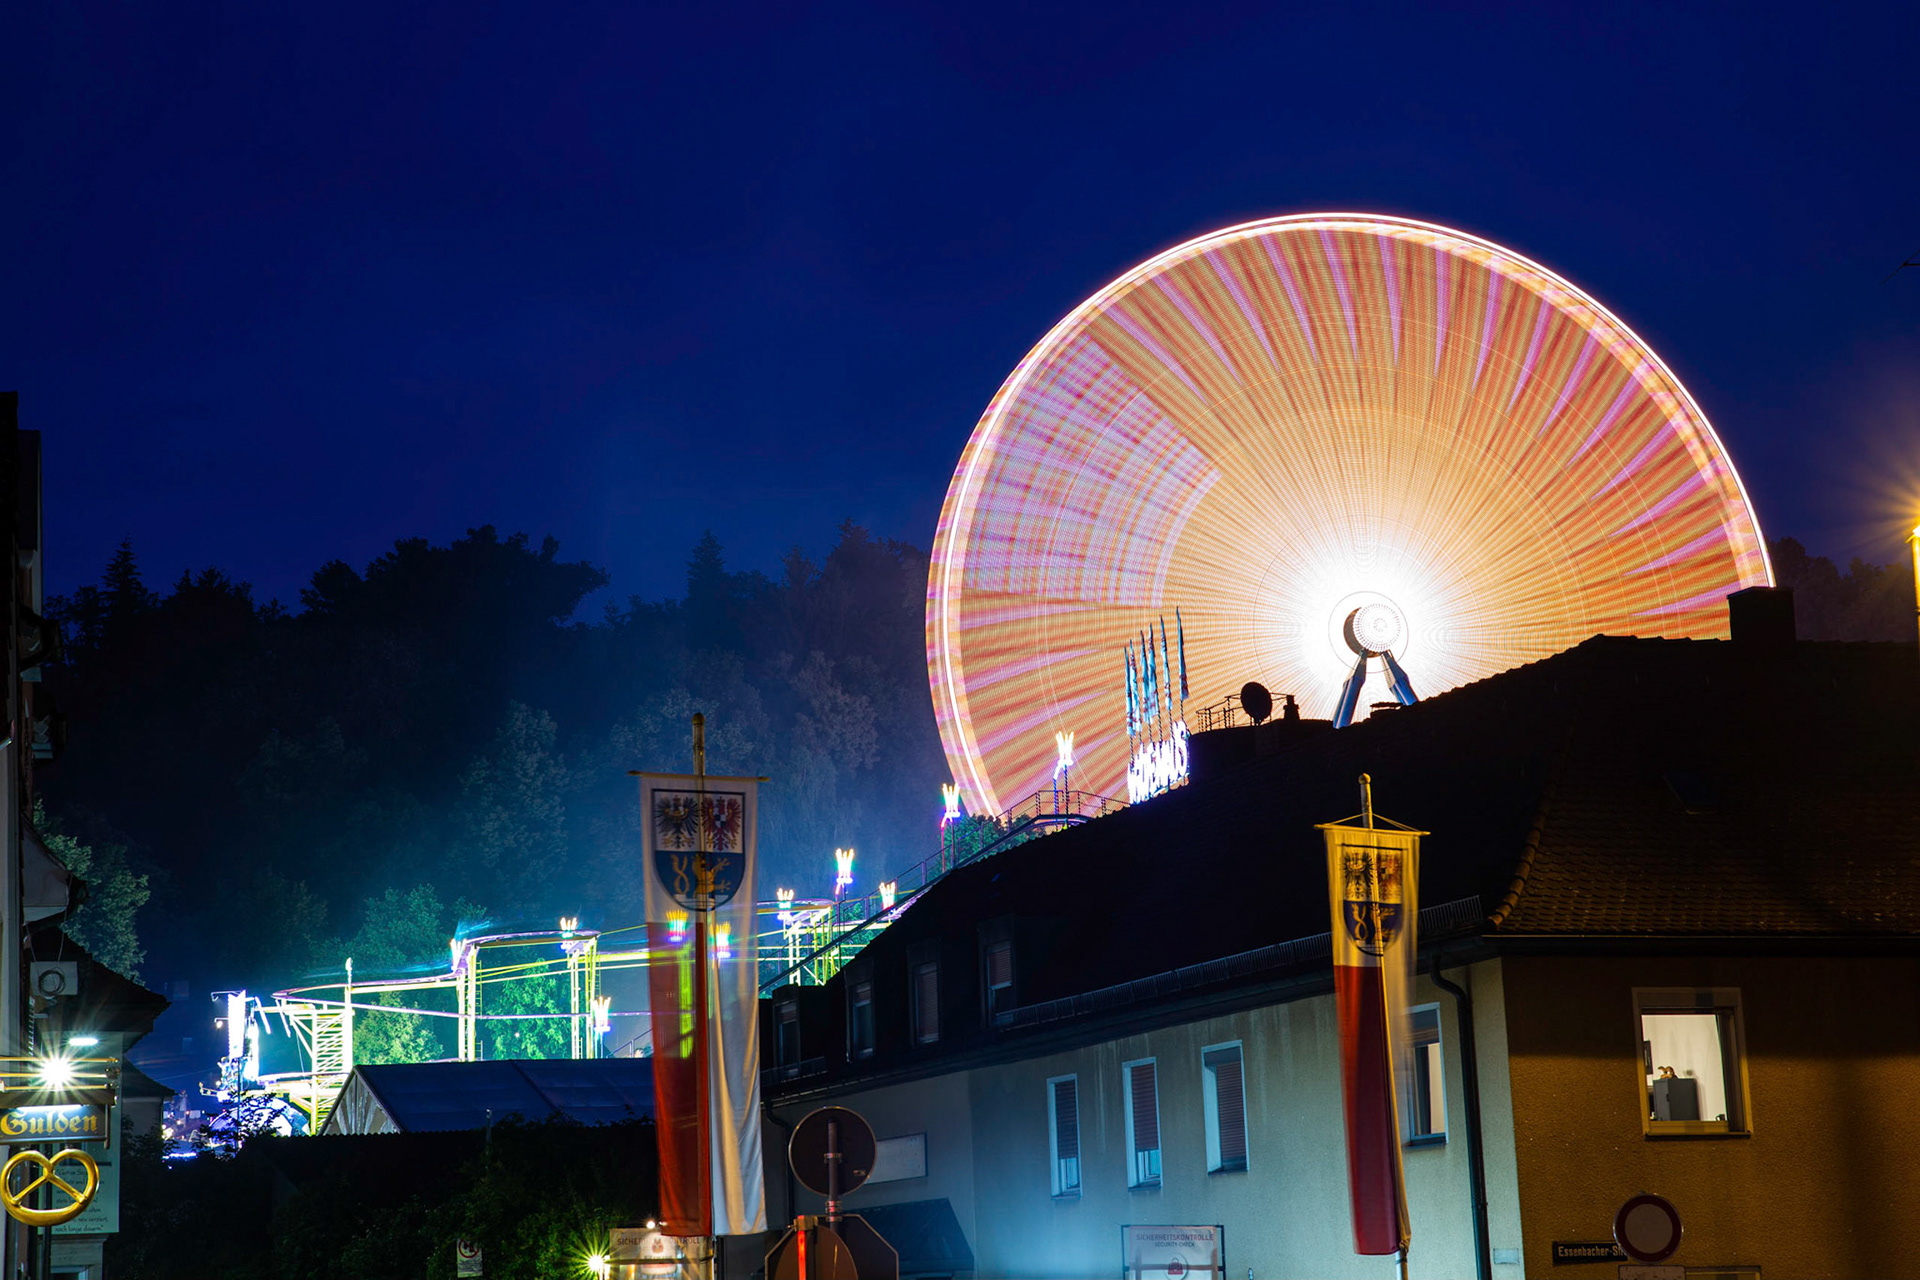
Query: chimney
(1761, 616)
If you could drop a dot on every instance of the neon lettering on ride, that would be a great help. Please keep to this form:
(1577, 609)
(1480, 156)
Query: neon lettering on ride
(1158, 766)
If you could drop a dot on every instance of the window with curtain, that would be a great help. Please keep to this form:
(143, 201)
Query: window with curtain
(1426, 1102)
(1143, 1124)
(1224, 1095)
(926, 1003)
(1063, 1126)
(860, 1017)
(1692, 1061)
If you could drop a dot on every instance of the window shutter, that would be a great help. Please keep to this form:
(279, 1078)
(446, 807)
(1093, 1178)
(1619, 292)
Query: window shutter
(1066, 1120)
(1000, 964)
(926, 1003)
(1229, 1087)
(1146, 1110)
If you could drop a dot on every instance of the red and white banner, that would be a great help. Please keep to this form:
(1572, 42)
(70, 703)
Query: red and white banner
(1373, 875)
(698, 848)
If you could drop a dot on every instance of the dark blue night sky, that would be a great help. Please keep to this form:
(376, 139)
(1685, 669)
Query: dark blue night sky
(286, 282)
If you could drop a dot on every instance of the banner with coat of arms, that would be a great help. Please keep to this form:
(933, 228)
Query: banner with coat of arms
(698, 848)
(1373, 875)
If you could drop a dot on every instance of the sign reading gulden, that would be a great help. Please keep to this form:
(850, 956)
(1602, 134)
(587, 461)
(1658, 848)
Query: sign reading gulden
(79, 1122)
(1173, 1253)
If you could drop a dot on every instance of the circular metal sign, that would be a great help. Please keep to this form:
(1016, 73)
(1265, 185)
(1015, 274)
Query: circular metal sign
(837, 1129)
(1647, 1228)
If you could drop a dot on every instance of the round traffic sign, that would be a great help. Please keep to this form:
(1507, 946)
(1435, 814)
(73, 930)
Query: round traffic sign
(836, 1129)
(1647, 1228)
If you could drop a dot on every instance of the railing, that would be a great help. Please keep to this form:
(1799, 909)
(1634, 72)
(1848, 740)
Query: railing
(1229, 714)
(854, 922)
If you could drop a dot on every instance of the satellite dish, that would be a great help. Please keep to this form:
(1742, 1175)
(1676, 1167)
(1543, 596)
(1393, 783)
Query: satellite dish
(1256, 701)
(834, 1132)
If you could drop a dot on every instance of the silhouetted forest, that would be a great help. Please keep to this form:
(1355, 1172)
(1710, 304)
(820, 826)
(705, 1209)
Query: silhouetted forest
(437, 739)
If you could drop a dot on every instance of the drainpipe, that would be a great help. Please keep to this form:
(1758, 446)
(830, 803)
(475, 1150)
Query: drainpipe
(1470, 1085)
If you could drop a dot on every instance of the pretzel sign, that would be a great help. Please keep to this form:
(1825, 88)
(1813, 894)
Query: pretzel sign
(15, 1200)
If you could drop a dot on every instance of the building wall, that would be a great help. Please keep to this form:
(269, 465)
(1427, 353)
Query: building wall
(1286, 1215)
(1823, 1187)
(940, 1107)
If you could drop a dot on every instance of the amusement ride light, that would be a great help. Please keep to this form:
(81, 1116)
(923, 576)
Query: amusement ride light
(1298, 425)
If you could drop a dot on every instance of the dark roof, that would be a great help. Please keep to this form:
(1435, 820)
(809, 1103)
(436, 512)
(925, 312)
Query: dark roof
(431, 1096)
(135, 1083)
(1623, 790)
(1709, 789)
(106, 1000)
(926, 1235)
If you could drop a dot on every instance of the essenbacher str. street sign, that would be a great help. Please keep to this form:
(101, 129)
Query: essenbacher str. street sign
(1566, 1251)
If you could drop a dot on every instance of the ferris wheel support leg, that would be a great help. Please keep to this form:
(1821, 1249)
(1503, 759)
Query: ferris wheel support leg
(1350, 694)
(1402, 687)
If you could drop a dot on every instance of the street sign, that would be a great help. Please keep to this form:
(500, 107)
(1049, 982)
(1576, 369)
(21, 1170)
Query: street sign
(653, 1252)
(1565, 1251)
(466, 1258)
(839, 1131)
(1647, 1228)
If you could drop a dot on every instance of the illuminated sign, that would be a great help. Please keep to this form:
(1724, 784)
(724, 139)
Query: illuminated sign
(80, 1122)
(1158, 766)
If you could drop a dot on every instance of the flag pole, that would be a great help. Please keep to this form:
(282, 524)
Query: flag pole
(1393, 1101)
(703, 903)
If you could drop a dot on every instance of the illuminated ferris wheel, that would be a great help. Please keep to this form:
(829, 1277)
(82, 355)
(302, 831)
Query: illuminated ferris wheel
(1329, 441)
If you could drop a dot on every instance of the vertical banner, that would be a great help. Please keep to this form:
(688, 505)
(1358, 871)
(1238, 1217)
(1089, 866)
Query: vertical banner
(1373, 874)
(698, 849)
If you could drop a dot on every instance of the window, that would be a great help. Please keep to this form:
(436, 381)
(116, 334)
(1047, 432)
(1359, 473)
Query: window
(860, 1017)
(999, 977)
(1692, 1059)
(1143, 1124)
(1063, 1128)
(1426, 1104)
(1223, 1092)
(787, 1034)
(926, 1002)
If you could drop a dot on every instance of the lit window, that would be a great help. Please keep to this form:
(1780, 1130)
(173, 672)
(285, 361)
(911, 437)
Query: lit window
(999, 977)
(860, 1017)
(1063, 1125)
(1223, 1090)
(1692, 1060)
(787, 1035)
(1143, 1124)
(1427, 1084)
(926, 1003)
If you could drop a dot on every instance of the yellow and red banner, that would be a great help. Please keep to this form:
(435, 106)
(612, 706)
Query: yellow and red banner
(698, 849)
(1373, 875)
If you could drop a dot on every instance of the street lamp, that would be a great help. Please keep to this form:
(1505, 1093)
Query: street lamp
(1913, 540)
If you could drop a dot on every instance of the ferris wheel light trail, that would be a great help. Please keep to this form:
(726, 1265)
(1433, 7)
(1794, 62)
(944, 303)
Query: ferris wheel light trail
(1285, 425)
